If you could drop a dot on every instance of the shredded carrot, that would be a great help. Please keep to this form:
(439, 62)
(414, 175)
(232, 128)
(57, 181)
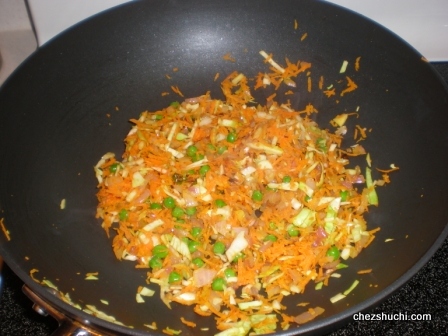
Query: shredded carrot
(175, 69)
(321, 82)
(176, 90)
(216, 77)
(168, 76)
(351, 86)
(165, 93)
(188, 323)
(5, 231)
(296, 24)
(388, 170)
(303, 36)
(34, 270)
(358, 59)
(303, 304)
(330, 92)
(228, 57)
(365, 271)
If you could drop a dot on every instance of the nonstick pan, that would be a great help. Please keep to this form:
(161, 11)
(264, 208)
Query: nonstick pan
(70, 102)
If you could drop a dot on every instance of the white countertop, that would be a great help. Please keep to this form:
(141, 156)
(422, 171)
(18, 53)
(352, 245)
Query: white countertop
(422, 23)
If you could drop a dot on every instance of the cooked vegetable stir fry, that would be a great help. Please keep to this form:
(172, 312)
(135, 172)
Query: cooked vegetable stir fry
(232, 205)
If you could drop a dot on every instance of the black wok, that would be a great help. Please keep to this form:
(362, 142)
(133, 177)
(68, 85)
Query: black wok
(70, 103)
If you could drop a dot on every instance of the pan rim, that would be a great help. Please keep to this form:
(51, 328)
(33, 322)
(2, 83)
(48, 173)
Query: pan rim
(325, 322)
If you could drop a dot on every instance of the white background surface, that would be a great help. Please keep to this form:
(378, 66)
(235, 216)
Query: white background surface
(422, 23)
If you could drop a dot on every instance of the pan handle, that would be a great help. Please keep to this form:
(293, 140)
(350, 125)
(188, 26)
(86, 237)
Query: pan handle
(67, 325)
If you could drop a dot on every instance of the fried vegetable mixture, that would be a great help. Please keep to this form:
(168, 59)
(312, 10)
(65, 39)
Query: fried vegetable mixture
(232, 205)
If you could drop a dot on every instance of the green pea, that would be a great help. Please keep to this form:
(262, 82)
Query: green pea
(123, 214)
(307, 198)
(169, 202)
(204, 169)
(158, 117)
(175, 104)
(218, 284)
(286, 179)
(211, 147)
(231, 137)
(192, 150)
(196, 231)
(229, 273)
(270, 237)
(160, 251)
(293, 232)
(220, 203)
(257, 196)
(333, 252)
(219, 248)
(155, 206)
(155, 263)
(192, 246)
(238, 257)
(198, 262)
(221, 150)
(114, 167)
(177, 212)
(344, 195)
(191, 211)
(272, 226)
(174, 277)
